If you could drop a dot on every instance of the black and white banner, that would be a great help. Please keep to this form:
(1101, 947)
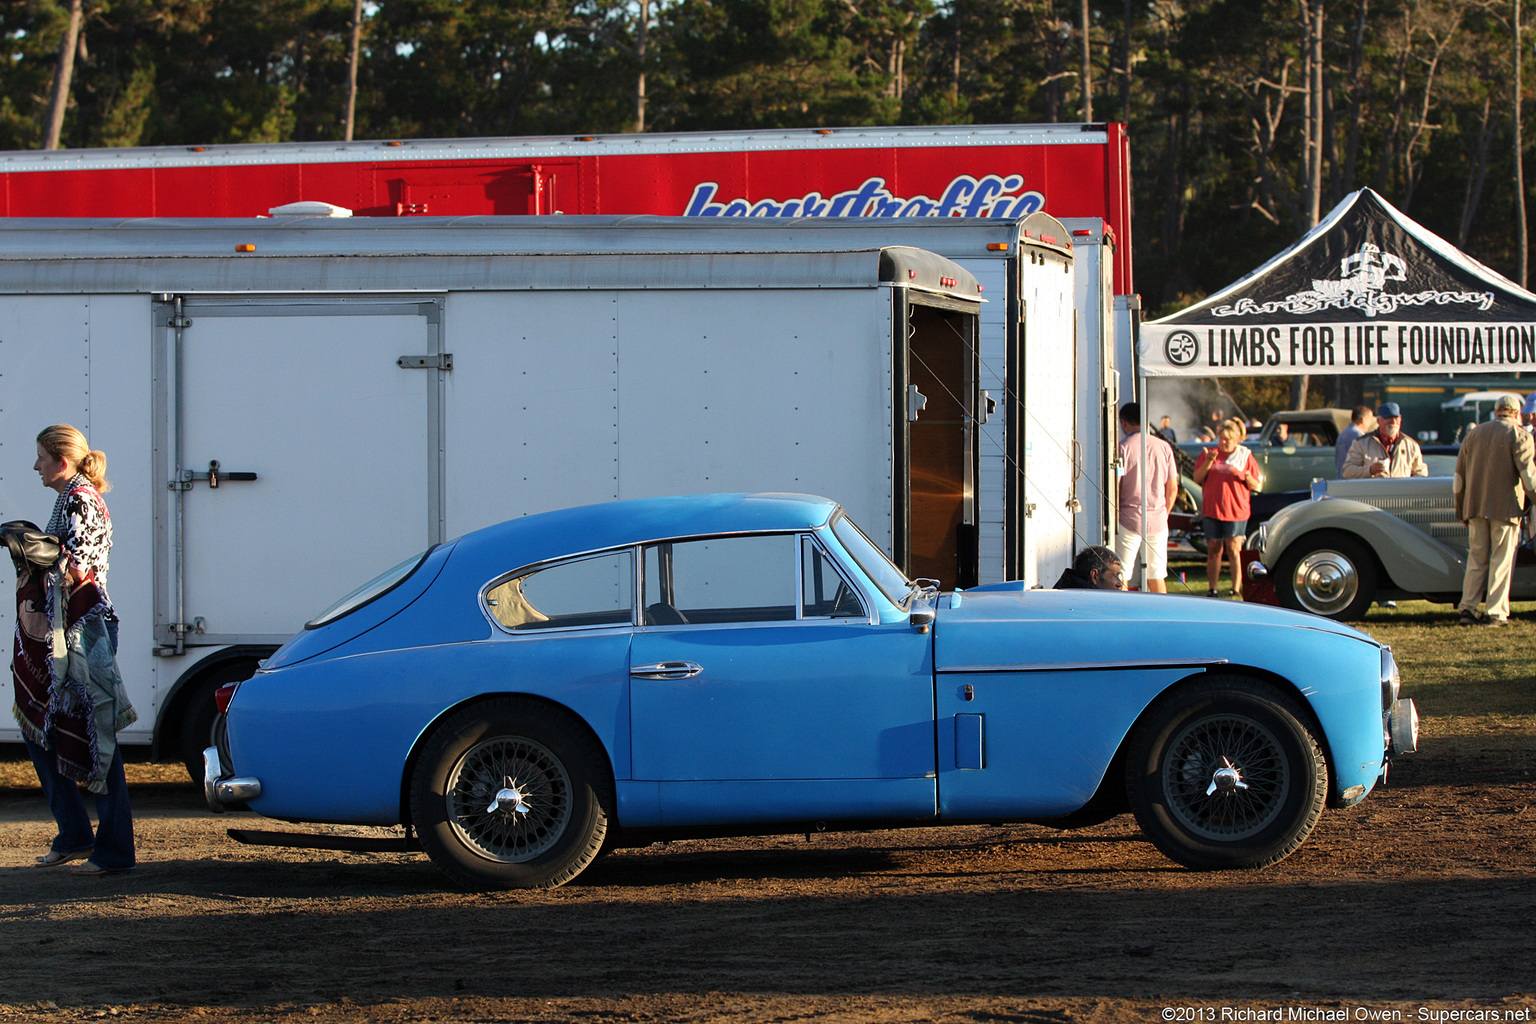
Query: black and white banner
(1367, 291)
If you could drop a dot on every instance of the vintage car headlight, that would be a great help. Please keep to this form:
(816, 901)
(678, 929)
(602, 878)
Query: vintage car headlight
(1257, 537)
(1391, 679)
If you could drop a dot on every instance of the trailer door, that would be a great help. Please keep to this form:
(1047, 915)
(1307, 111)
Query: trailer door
(936, 375)
(298, 439)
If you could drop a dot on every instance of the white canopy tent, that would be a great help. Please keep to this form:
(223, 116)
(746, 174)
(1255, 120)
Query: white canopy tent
(1367, 291)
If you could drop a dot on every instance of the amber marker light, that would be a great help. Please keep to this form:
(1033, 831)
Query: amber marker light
(997, 247)
(245, 247)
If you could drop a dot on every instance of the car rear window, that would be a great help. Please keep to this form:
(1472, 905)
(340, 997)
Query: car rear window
(374, 589)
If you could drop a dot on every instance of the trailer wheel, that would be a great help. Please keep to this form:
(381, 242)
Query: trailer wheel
(511, 794)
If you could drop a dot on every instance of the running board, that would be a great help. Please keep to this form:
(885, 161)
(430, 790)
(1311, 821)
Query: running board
(313, 841)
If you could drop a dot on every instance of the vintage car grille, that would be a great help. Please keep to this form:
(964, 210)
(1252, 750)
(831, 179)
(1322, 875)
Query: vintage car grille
(1425, 504)
(1438, 519)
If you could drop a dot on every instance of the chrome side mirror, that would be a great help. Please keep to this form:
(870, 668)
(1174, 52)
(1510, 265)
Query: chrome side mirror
(922, 616)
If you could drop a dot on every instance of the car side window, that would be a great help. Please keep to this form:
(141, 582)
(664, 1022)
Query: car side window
(823, 591)
(721, 579)
(596, 591)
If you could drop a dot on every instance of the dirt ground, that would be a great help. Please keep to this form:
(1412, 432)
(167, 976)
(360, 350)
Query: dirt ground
(1419, 902)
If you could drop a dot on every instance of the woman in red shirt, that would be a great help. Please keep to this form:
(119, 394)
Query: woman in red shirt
(1228, 473)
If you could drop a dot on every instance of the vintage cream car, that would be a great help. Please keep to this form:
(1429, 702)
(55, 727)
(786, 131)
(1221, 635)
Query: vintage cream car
(1360, 541)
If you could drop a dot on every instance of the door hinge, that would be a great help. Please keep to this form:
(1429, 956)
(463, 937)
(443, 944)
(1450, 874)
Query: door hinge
(1029, 509)
(179, 322)
(442, 361)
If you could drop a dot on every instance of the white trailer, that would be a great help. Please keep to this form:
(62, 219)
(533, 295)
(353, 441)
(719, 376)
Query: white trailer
(1041, 440)
(289, 405)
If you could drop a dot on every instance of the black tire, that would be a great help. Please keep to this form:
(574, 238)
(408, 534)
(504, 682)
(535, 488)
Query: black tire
(198, 711)
(1330, 574)
(1223, 773)
(511, 794)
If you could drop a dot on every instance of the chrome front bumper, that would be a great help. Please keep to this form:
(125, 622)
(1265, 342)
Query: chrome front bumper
(1402, 727)
(219, 789)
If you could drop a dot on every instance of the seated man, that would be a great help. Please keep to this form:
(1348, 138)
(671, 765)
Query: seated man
(1095, 568)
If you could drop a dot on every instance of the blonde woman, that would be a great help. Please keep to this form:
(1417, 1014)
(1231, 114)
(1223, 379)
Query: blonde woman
(70, 701)
(1228, 474)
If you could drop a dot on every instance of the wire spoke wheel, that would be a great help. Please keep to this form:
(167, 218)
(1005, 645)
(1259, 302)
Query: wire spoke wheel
(1226, 777)
(511, 793)
(509, 799)
(1224, 771)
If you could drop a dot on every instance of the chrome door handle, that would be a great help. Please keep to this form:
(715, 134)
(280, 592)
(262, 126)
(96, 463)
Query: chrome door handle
(667, 670)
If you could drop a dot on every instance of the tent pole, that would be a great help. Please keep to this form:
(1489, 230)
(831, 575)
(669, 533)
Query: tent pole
(1141, 481)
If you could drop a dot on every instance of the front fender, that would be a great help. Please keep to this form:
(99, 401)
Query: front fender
(1413, 560)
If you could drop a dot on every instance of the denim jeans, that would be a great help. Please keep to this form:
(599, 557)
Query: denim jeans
(113, 840)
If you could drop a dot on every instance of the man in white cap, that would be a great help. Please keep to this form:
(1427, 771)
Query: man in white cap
(1388, 452)
(1494, 477)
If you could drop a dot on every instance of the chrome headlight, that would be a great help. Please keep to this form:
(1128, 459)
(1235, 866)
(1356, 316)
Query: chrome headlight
(1391, 679)
(1257, 537)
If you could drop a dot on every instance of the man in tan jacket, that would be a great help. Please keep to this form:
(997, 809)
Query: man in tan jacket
(1388, 452)
(1494, 476)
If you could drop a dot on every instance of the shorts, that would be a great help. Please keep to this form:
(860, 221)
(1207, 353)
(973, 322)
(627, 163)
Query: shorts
(1223, 529)
(1128, 543)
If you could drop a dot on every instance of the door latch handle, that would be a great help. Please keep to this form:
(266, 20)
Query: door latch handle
(667, 670)
(214, 476)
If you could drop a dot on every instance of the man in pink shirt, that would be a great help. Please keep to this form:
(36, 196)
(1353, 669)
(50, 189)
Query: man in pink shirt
(1150, 526)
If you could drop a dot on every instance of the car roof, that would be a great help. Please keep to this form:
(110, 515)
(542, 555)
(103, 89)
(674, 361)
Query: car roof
(1338, 417)
(547, 535)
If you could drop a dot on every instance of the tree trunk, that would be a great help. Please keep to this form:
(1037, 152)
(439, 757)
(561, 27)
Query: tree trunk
(1313, 21)
(1125, 67)
(1356, 91)
(954, 81)
(641, 30)
(1086, 61)
(353, 55)
(1477, 174)
(1520, 161)
(63, 74)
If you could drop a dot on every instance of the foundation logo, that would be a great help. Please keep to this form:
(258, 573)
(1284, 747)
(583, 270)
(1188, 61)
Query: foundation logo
(1363, 283)
(1181, 347)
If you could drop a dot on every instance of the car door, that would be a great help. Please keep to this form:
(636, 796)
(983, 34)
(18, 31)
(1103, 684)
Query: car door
(762, 689)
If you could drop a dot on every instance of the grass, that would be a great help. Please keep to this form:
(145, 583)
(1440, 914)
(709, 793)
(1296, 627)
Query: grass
(1465, 680)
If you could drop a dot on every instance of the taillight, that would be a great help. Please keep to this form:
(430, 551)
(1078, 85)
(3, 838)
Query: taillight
(222, 695)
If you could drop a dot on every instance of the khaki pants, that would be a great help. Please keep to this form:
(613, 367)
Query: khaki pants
(1491, 547)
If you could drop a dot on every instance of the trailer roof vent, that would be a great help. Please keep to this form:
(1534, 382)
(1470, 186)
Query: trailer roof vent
(310, 209)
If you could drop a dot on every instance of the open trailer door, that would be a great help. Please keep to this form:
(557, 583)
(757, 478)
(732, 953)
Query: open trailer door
(935, 376)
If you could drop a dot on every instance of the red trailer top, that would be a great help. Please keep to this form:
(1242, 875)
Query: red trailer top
(1075, 170)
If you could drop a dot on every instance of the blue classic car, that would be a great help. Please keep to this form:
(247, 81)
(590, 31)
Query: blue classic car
(532, 694)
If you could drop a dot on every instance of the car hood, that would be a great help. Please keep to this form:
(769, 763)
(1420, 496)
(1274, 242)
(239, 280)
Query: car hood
(1009, 625)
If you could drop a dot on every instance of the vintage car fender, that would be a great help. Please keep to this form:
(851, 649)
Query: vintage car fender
(1412, 559)
(1031, 685)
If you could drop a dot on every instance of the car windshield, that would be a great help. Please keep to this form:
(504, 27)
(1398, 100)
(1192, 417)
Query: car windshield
(374, 588)
(892, 582)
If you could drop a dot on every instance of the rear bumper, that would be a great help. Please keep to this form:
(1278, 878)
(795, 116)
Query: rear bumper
(222, 789)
